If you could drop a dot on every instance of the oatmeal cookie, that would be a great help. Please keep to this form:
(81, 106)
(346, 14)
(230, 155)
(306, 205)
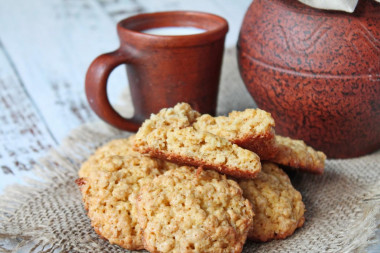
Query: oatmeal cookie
(185, 210)
(278, 207)
(252, 129)
(170, 135)
(296, 154)
(199, 148)
(120, 147)
(109, 193)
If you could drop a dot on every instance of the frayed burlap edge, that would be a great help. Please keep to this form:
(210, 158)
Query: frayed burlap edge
(56, 168)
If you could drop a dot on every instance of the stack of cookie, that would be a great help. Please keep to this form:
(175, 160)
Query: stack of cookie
(188, 182)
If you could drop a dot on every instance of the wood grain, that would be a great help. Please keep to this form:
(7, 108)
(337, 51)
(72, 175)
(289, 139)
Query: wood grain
(45, 51)
(52, 43)
(120, 9)
(24, 135)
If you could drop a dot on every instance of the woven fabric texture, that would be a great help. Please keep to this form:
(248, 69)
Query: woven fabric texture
(48, 215)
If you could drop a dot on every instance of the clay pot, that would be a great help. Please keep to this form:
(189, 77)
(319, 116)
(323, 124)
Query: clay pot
(316, 71)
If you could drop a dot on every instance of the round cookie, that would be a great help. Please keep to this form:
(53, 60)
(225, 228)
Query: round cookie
(187, 210)
(278, 207)
(109, 193)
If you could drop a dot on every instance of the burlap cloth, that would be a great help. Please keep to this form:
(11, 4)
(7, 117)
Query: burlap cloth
(342, 204)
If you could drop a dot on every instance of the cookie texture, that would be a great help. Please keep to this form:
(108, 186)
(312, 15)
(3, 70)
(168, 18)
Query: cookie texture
(252, 129)
(179, 116)
(109, 193)
(296, 154)
(120, 147)
(170, 135)
(278, 207)
(185, 210)
(198, 148)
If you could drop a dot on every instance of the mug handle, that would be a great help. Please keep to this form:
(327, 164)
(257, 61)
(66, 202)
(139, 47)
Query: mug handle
(96, 89)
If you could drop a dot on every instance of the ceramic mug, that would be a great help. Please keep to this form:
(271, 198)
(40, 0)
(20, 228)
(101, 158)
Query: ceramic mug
(162, 70)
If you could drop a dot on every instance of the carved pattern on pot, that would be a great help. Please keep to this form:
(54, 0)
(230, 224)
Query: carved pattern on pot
(317, 72)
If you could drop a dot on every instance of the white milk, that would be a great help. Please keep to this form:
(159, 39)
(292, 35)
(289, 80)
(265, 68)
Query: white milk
(174, 30)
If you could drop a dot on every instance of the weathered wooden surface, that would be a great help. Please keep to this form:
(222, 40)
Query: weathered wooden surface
(46, 48)
(24, 133)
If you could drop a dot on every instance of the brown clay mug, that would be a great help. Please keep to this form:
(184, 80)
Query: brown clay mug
(162, 70)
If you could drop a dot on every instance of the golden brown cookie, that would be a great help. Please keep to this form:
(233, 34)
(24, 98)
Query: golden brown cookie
(120, 147)
(252, 129)
(109, 193)
(185, 210)
(278, 207)
(170, 135)
(180, 116)
(198, 148)
(296, 154)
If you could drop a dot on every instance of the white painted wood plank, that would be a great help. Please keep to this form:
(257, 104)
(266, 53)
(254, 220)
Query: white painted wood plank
(52, 43)
(23, 135)
(119, 9)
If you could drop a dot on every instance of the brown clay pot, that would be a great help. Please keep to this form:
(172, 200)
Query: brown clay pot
(316, 71)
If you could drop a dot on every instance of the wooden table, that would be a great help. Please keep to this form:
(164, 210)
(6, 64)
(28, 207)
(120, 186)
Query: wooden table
(46, 47)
